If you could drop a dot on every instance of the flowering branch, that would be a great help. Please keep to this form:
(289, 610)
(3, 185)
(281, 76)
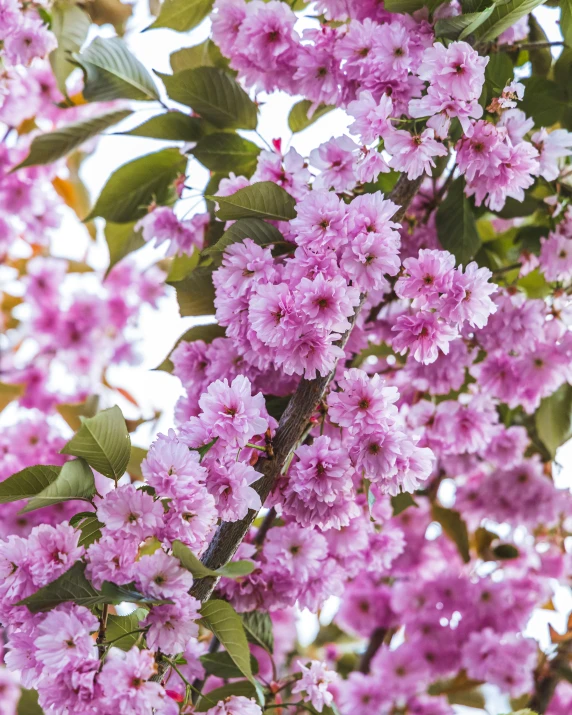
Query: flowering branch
(301, 407)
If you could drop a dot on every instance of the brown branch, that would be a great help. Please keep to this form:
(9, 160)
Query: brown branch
(293, 423)
(265, 527)
(102, 629)
(548, 677)
(375, 643)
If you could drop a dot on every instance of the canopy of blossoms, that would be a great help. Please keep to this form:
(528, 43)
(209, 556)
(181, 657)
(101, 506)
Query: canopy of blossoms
(373, 394)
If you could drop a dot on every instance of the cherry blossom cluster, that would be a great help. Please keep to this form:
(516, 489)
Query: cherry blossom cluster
(24, 34)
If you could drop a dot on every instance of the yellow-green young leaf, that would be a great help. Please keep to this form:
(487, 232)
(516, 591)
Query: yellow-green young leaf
(112, 72)
(200, 332)
(261, 200)
(132, 188)
(72, 412)
(72, 586)
(171, 126)
(455, 528)
(221, 618)
(258, 628)
(28, 482)
(120, 629)
(75, 481)
(122, 239)
(213, 94)
(181, 266)
(195, 293)
(207, 54)
(70, 25)
(554, 419)
(227, 152)
(182, 15)
(9, 393)
(505, 15)
(28, 703)
(256, 229)
(47, 148)
(456, 226)
(240, 687)
(138, 454)
(234, 569)
(298, 118)
(103, 441)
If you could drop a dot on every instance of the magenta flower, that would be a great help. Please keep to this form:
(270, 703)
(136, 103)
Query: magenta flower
(235, 705)
(173, 626)
(161, 576)
(131, 512)
(363, 402)
(314, 683)
(413, 153)
(456, 70)
(424, 335)
(125, 684)
(65, 640)
(232, 413)
(55, 550)
(335, 159)
(230, 486)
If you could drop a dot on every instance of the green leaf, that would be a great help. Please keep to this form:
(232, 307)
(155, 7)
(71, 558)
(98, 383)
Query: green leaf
(70, 586)
(171, 126)
(200, 332)
(75, 481)
(214, 95)
(182, 266)
(505, 15)
(70, 25)
(258, 628)
(135, 185)
(47, 148)
(222, 666)
(221, 618)
(461, 26)
(182, 15)
(554, 418)
(456, 226)
(112, 72)
(103, 441)
(112, 593)
(234, 569)
(261, 200)
(499, 72)
(28, 703)
(455, 528)
(544, 100)
(210, 699)
(541, 58)
(227, 152)
(401, 502)
(207, 54)
(566, 21)
(28, 482)
(298, 118)
(259, 231)
(195, 293)
(90, 529)
(506, 551)
(122, 239)
(119, 629)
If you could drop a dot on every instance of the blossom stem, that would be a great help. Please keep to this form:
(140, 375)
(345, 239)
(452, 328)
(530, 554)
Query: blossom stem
(528, 45)
(124, 635)
(182, 677)
(256, 446)
(506, 269)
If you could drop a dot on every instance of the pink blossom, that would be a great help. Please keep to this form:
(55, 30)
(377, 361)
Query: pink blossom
(173, 626)
(55, 550)
(320, 222)
(335, 158)
(556, 257)
(235, 705)
(230, 486)
(426, 277)
(468, 297)
(413, 153)
(551, 147)
(363, 403)
(231, 412)
(424, 334)
(328, 302)
(371, 117)
(65, 639)
(125, 684)
(161, 576)
(170, 466)
(456, 70)
(130, 511)
(297, 550)
(314, 684)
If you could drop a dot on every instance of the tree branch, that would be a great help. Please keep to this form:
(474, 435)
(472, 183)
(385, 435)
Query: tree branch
(293, 423)
(375, 643)
(548, 678)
